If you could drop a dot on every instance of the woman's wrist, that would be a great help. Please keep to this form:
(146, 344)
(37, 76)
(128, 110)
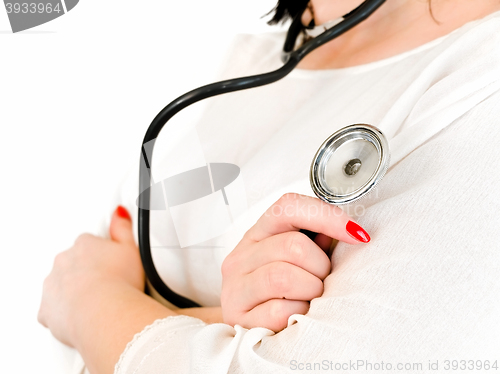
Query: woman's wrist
(206, 314)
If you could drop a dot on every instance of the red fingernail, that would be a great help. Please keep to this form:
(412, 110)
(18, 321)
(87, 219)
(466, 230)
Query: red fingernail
(122, 212)
(357, 232)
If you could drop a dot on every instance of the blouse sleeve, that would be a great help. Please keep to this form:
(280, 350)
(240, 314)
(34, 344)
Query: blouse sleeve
(168, 346)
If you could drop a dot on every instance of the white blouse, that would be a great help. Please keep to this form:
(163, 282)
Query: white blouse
(425, 290)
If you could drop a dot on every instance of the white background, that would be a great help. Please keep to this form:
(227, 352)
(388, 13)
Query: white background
(76, 96)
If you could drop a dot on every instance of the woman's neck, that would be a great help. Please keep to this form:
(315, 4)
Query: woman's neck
(396, 27)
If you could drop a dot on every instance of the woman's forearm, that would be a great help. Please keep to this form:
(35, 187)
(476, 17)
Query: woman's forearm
(108, 318)
(112, 314)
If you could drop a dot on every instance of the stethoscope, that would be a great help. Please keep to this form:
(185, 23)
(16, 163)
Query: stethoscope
(345, 168)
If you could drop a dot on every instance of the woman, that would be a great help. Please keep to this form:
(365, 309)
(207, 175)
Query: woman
(421, 293)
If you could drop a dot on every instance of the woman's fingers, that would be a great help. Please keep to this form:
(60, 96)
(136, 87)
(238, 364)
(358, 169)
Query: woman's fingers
(324, 242)
(292, 247)
(273, 314)
(293, 212)
(275, 270)
(277, 280)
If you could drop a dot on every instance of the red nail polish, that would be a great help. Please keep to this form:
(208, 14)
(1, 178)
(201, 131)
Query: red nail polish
(357, 232)
(122, 212)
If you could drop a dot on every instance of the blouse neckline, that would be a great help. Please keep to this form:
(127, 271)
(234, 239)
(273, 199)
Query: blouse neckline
(358, 69)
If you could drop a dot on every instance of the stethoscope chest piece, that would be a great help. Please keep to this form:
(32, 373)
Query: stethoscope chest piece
(349, 164)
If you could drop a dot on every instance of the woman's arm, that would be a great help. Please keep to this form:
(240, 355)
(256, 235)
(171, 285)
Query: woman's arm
(112, 314)
(108, 317)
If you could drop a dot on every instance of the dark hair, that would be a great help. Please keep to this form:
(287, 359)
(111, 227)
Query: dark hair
(286, 9)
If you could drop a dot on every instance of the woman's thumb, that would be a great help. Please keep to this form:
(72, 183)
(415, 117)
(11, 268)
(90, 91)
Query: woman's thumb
(120, 229)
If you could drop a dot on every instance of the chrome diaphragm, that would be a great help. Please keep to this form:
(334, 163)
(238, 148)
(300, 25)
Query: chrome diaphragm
(349, 164)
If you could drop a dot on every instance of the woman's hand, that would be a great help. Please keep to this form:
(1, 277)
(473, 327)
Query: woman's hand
(92, 263)
(94, 300)
(275, 270)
